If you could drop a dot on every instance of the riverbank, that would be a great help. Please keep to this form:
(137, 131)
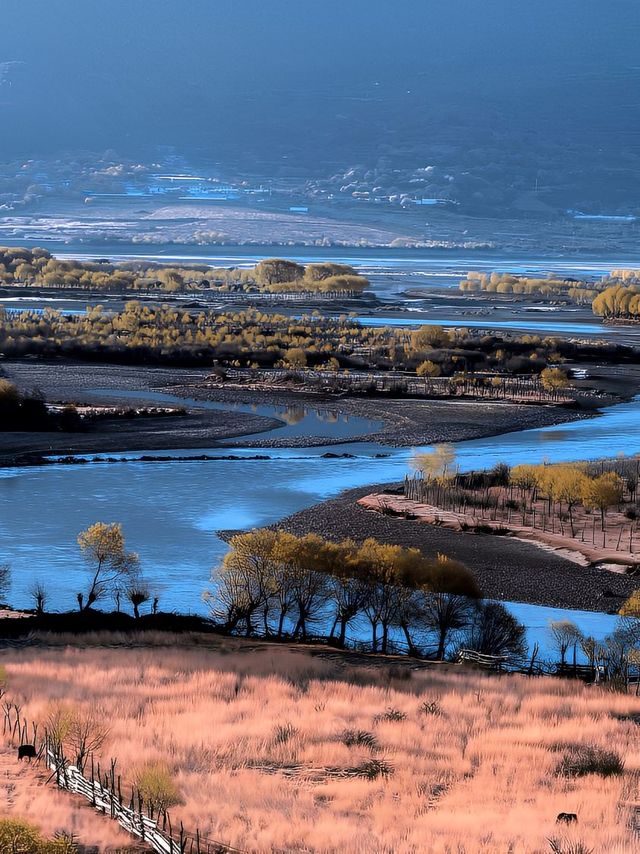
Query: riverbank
(574, 548)
(506, 569)
(393, 422)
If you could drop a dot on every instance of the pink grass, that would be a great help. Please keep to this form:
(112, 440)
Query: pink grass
(477, 777)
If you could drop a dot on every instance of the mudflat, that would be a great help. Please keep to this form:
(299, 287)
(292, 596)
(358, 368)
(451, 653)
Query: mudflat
(405, 422)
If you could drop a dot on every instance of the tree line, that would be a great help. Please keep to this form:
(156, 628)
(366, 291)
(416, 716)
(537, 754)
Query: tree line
(621, 301)
(275, 584)
(616, 295)
(37, 267)
(548, 286)
(250, 338)
(546, 496)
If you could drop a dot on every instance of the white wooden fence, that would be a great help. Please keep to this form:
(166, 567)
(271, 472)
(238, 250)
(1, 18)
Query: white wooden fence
(105, 795)
(69, 777)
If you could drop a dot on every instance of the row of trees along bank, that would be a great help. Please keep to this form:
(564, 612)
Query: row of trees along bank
(616, 295)
(38, 268)
(271, 583)
(276, 585)
(249, 338)
(564, 498)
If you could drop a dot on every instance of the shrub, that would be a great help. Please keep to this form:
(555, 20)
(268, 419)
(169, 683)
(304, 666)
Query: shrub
(431, 708)
(564, 846)
(359, 738)
(372, 769)
(284, 733)
(391, 715)
(156, 786)
(19, 837)
(585, 759)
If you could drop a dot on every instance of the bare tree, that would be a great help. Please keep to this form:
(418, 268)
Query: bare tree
(137, 595)
(244, 581)
(444, 614)
(81, 731)
(447, 601)
(87, 734)
(565, 635)
(494, 631)
(39, 595)
(349, 595)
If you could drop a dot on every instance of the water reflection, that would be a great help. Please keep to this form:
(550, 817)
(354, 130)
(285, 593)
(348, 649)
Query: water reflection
(299, 420)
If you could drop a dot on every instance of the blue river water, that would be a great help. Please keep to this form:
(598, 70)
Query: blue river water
(171, 510)
(542, 327)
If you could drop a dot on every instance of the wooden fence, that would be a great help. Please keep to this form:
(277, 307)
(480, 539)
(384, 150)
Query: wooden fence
(490, 662)
(479, 385)
(104, 791)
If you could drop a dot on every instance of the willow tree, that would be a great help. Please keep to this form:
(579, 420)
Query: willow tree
(604, 492)
(111, 566)
(571, 483)
(554, 379)
(448, 600)
(437, 464)
(244, 583)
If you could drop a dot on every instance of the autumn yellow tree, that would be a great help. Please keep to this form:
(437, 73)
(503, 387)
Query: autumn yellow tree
(603, 492)
(103, 548)
(437, 464)
(631, 607)
(554, 379)
(570, 486)
(428, 369)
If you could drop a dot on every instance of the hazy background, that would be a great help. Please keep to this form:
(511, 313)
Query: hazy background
(492, 92)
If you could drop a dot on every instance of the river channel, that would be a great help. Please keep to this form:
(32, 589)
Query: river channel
(171, 510)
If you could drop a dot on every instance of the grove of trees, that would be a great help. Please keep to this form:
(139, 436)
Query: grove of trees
(250, 338)
(562, 498)
(38, 268)
(276, 584)
(616, 295)
(618, 301)
(548, 287)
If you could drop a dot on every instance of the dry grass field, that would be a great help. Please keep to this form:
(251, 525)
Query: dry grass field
(25, 795)
(277, 750)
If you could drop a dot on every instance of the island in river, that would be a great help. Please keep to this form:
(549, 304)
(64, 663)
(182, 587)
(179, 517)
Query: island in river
(169, 504)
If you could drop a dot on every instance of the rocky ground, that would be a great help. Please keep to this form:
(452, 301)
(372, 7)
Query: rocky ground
(404, 422)
(505, 568)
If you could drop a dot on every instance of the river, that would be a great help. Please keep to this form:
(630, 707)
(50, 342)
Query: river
(171, 510)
